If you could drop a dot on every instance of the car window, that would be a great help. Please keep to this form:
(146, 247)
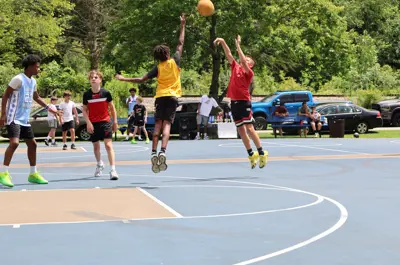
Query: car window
(345, 109)
(301, 98)
(286, 99)
(355, 109)
(328, 110)
(42, 113)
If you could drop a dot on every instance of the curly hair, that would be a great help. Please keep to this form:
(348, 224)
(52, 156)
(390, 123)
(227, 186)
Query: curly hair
(30, 59)
(161, 53)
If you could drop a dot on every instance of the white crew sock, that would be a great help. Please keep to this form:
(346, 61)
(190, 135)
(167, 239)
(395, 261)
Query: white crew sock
(112, 168)
(33, 170)
(5, 168)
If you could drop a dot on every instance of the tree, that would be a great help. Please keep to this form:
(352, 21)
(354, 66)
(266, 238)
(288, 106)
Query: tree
(31, 26)
(89, 28)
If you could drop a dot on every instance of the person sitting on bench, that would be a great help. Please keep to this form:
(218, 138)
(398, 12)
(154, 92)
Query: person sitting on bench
(315, 122)
(305, 112)
(280, 111)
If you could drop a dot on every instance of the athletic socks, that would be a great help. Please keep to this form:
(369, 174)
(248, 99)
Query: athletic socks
(33, 170)
(112, 168)
(250, 152)
(260, 151)
(163, 150)
(153, 152)
(4, 168)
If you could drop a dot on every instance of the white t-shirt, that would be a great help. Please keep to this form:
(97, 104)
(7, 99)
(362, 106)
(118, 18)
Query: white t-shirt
(67, 110)
(51, 116)
(206, 105)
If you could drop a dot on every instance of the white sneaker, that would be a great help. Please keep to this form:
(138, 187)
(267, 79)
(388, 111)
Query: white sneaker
(197, 137)
(162, 161)
(113, 175)
(206, 137)
(99, 170)
(154, 163)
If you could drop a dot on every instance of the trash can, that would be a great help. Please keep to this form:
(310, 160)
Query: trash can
(336, 128)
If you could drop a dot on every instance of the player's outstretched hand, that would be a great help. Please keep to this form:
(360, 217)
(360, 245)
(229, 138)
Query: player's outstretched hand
(183, 19)
(118, 77)
(218, 41)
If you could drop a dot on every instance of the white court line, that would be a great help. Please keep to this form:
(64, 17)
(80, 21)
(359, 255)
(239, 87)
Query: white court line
(342, 220)
(16, 226)
(162, 204)
(84, 150)
(320, 148)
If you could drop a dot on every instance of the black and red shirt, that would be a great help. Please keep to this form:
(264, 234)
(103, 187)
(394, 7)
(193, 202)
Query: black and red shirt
(97, 104)
(139, 111)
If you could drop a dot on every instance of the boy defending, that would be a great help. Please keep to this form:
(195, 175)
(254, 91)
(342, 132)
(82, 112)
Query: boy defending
(238, 92)
(139, 119)
(16, 107)
(168, 90)
(68, 110)
(96, 102)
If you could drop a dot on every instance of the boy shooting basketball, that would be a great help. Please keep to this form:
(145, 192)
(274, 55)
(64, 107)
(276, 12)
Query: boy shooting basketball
(238, 92)
(168, 90)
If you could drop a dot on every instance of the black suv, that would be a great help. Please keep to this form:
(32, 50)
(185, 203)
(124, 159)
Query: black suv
(390, 111)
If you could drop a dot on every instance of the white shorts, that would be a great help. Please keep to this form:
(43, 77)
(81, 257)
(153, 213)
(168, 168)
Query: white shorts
(53, 123)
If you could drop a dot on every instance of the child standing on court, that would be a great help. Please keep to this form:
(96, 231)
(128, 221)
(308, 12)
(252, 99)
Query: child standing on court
(168, 74)
(140, 119)
(238, 92)
(68, 109)
(96, 105)
(53, 123)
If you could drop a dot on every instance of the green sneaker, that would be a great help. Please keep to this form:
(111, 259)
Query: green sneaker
(37, 178)
(133, 142)
(147, 140)
(5, 179)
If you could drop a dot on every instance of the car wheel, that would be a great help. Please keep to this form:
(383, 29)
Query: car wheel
(260, 123)
(83, 134)
(362, 127)
(396, 120)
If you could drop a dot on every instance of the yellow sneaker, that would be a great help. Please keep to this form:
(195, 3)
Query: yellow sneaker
(253, 159)
(263, 160)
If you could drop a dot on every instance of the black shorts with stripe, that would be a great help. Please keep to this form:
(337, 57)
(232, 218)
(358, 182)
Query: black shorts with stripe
(166, 108)
(19, 131)
(102, 130)
(241, 112)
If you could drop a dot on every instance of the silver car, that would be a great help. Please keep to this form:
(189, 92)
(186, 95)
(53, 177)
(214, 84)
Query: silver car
(41, 128)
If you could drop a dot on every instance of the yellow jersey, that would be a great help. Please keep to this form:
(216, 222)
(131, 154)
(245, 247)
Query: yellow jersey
(169, 79)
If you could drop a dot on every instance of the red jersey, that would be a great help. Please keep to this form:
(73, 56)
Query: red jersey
(239, 83)
(97, 104)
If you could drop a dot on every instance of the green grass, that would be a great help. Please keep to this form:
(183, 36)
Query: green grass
(369, 135)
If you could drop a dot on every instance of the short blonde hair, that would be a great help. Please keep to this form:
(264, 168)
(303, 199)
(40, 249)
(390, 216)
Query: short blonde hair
(139, 99)
(95, 72)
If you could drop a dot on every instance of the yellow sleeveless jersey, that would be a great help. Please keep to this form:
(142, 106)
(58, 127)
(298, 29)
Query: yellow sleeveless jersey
(169, 80)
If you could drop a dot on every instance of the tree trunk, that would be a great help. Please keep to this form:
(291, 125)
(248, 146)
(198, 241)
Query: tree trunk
(214, 88)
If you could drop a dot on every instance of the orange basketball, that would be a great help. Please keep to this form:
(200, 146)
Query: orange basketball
(205, 8)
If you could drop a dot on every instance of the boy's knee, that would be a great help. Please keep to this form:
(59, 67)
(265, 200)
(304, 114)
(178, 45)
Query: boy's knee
(14, 145)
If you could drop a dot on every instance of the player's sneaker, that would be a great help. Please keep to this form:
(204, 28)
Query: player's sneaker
(253, 159)
(263, 160)
(5, 179)
(113, 174)
(37, 178)
(65, 147)
(54, 144)
(133, 141)
(147, 140)
(162, 161)
(197, 137)
(73, 146)
(154, 163)
(205, 137)
(99, 170)
(46, 142)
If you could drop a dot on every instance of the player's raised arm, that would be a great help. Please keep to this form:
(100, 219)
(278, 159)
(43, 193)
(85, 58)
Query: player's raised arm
(179, 48)
(243, 59)
(228, 53)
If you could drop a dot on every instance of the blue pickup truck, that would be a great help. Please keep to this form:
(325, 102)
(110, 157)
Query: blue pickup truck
(263, 109)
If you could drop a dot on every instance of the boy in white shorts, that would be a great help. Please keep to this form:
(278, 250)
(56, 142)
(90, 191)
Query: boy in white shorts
(53, 123)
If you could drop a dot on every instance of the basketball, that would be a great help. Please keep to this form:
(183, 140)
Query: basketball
(205, 8)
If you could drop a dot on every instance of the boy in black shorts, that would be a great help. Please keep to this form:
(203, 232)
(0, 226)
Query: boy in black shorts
(168, 74)
(139, 115)
(96, 103)
(238, 91)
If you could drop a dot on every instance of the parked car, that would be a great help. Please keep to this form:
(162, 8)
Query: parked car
(38, 121)
(186, 112)
(356, 118)
(390, 111)
(263, 109)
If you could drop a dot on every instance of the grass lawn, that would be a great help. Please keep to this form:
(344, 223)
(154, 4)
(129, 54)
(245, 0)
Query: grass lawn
(370, 134)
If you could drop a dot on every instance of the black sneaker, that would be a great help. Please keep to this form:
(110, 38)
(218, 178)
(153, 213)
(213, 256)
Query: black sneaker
(46, 142)
(73, 146)
(65, 147)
